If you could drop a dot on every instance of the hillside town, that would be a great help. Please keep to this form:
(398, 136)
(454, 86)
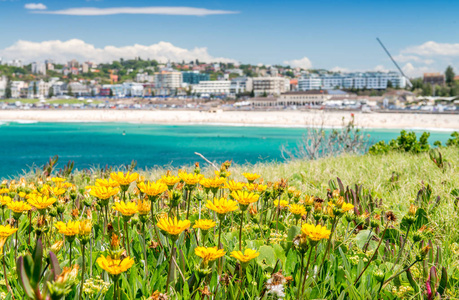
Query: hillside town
(250, 86)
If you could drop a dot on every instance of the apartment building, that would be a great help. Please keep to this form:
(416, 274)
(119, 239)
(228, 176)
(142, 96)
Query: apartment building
(194, 77)
(216, 87)
(368, 80)
(241, 85)
(270, 86)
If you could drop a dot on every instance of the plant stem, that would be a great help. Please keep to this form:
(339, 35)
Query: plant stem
(70, 254)
(328, 245)
(82, 271)
(188, 200)
(301, 275)
(392, 277)
(127, 238)
(306, 272)
(8, 287)
(401, 248)
(240, 232)
(170, 267)
(144, 250)
(373, 257)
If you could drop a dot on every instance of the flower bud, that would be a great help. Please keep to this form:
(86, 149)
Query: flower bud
(378, 274)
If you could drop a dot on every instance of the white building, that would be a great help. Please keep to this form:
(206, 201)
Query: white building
(133, 89)
(305, 99)
(270, 85)
(241, 85)
(368, 80)
(17, 87)
(38, 89)
(3, 85)
(167, 82)
(144, 77)
(38, 68)
(217, 87)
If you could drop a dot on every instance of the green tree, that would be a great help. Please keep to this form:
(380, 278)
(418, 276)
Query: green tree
(69, 90)
(8, 89)
(51, 92)
(427, 90)
(449, 75)
(35, 89)
(389, 84)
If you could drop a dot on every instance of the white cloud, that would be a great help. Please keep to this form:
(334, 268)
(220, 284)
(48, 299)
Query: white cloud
(339, 69)
(303, 63)
(152, 10)
(39, 6)
(412, 71)
(380, 68)
(432, 48)
(62, 51)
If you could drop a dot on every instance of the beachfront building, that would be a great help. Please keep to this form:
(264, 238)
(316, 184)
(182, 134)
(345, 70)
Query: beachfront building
(359, 80)
(133, 89)
(265, 86)
(314, 98)
(38, 89)
(194, 77)
(17, 89)
(3, 85)
(214, 87)
(167, 82)
(144, 77)
(240, 85)
(38, 68)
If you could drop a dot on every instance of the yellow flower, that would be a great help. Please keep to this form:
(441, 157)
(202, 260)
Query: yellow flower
(115, 266)
(143, 207)
(222, 173)
(297, 210)
(18, 206)
(56, 179)
(22, 195)
(315, 233)
(245, 257)
(251, 177)
(41, 202)
(309, 200)
(347, 206)
(173, 226)
(124, 179)
(6, 231)
(107, 182)
(209, 254)
(56, 247)
(57, 190)
(125, 208)
(190, 178)
(212, 183)
(152, 188)
(103, 192)
(234, 185)
(204, 224)
(244, 197)
(70, 229)
(85, 227)
(170, 180)
(4, 191)
(282, 204)
(222, 206)
(4, 200)
(68, 274)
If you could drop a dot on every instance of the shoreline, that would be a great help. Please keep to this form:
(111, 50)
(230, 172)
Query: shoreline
(287, 119)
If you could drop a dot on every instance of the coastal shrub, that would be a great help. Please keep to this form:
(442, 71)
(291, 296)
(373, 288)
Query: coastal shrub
(226, 233)
(320, 142)
(405, 142)
(454, 140)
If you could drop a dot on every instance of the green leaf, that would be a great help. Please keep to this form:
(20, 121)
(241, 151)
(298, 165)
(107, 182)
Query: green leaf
(443, 281)
(267, 257)
(362, 237)
(293, 232)
(23, 279)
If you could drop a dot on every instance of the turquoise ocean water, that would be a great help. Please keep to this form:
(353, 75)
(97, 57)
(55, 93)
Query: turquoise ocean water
(90, 144)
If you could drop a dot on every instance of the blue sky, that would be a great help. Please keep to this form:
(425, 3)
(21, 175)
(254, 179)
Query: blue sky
(339, 35)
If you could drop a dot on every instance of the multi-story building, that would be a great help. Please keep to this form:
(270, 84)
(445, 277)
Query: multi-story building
(144, 77)
(434, 78)
(299, 99)
(38, 68)
(133, 89)
(369, 80)
(241, 85)
(3, 85)
(38, 89)
(194, 77)
(216, 87)
(167, 82)
(17, 87)
(270, 86)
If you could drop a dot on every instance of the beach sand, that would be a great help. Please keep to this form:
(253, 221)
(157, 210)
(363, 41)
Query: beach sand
(240, 118)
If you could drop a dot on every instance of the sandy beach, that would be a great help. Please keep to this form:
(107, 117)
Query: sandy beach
(239, 118)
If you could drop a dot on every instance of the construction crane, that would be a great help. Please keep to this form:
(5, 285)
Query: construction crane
(408, 82)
